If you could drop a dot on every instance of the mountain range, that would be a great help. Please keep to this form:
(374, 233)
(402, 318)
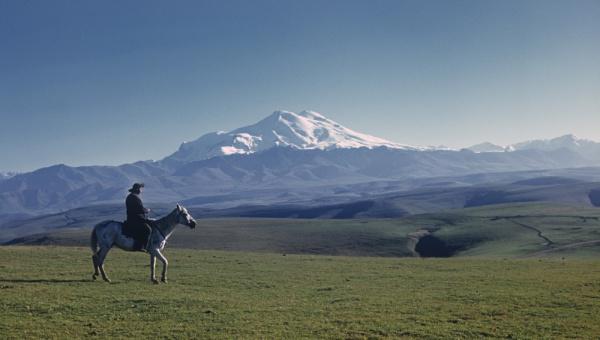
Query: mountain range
(285, 158)
(586, 148)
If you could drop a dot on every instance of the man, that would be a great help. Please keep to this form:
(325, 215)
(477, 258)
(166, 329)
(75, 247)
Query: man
(136, 217)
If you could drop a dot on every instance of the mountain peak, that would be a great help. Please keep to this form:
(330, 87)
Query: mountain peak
(566, 138)
(289, 116)
(304, 130)
(486, 147)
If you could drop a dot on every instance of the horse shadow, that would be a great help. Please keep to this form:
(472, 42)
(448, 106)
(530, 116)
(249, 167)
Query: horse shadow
(44, 280)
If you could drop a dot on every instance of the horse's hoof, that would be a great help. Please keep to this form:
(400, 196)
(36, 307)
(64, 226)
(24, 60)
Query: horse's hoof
(163, 280)
(106, 279)
(94, 277)
(155, 281)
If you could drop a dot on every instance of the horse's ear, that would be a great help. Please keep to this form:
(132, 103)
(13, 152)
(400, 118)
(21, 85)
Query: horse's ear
(178, 207)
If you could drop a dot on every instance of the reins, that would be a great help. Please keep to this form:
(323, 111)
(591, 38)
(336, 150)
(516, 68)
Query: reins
(155, 227)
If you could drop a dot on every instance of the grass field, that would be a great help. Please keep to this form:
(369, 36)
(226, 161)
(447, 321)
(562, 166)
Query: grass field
(47, 292)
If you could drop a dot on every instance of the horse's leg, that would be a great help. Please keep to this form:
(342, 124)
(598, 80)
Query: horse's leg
(165, 263)
(152, 267)
(95, 262)
(100, 262)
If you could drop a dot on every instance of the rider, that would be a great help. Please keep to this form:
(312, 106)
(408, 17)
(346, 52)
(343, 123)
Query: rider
(136, 217)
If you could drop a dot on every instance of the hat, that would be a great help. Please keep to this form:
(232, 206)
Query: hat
(136, 187)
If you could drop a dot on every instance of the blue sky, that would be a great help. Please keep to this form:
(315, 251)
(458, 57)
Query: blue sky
(109, 82)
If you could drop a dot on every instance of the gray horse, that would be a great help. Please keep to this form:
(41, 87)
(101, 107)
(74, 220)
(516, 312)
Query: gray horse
(110, 233)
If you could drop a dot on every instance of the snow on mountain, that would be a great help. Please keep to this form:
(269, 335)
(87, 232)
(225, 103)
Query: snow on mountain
(567, 141)
(310, 130)
(7, 175)
(584, 147)
(486, 147)
(305, 130)
(587, 148)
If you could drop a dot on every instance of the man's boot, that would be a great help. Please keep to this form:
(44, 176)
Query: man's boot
(138, 245)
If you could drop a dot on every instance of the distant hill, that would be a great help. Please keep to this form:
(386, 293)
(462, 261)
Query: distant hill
(506, 230)
(381, 199)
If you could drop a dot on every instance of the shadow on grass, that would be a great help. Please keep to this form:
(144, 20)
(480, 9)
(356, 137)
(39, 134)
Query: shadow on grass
(43, 281)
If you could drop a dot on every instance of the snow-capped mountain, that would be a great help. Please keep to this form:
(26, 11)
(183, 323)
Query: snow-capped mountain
(310, 130)
(306, 130)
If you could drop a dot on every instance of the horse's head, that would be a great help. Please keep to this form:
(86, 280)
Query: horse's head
(184, 217)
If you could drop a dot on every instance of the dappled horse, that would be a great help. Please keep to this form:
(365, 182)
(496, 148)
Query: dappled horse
(107, 234)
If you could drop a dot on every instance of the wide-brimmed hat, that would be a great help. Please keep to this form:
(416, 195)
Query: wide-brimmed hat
(136, 187)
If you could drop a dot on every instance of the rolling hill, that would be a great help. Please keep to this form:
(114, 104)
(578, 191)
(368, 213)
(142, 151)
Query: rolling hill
(504, 230)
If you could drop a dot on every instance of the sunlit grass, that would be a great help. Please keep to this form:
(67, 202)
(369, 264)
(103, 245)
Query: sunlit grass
(47, 292)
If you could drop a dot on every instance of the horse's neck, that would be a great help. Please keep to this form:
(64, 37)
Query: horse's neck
(166, 225)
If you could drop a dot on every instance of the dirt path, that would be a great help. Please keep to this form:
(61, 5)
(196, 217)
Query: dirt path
(548, 242)
(539, 232)
(565, 247)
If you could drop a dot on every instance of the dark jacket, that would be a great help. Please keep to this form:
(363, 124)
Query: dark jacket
(135, 209)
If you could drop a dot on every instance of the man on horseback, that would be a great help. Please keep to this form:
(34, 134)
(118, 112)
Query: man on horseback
(136, 217)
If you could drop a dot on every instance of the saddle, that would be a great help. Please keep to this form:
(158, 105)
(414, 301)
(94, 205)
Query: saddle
(128, 229)
(133, 229)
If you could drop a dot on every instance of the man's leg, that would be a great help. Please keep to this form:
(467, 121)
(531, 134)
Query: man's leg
(139, 236)
(146, 230)
(137, 242)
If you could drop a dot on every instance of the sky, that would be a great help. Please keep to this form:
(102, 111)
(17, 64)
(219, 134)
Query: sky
(110, 82)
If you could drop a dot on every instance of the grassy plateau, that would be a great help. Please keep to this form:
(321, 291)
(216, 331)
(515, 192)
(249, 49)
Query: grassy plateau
(505, 230)
(47, 292)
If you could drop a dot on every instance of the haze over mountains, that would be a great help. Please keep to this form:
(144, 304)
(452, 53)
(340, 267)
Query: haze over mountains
(288, 158)
(587, 148)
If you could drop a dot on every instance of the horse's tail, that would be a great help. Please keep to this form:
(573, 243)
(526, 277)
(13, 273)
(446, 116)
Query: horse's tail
(94, 241)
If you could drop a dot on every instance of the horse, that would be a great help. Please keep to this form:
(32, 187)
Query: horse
(107, 234)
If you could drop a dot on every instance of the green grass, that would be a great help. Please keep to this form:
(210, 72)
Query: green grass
(47, 292)
(491, 231)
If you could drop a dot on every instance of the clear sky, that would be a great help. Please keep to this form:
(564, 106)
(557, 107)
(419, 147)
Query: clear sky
(109, 82)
